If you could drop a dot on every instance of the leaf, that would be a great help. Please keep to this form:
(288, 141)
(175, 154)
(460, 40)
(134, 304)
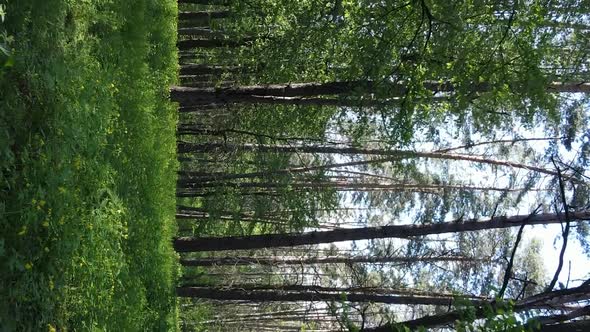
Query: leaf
(9, 62)
(4, 49)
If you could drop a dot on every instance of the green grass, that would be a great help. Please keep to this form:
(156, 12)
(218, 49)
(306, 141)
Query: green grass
(87, 160)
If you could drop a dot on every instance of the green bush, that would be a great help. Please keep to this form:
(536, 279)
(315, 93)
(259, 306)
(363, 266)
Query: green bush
(87, 159)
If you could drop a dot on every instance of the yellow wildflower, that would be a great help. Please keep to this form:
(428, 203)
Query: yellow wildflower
(77, 163)
(23, 231)
(29, 266)
(46, 223)
(51, 328)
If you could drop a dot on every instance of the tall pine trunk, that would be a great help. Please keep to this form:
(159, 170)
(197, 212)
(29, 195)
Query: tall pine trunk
(282, 296)
(234, 261)
(188, 44)
(548, 300)
(203, 16)
(339, 186)
(201, 32)
(186, 95)
(200, 69)
(190, 244)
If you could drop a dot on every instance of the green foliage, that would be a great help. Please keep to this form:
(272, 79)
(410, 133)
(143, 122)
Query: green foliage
(192, 317)
(296, 209)
(87, 166)
(6, 58)
(505, 49)
(494, 62)
(499, 317)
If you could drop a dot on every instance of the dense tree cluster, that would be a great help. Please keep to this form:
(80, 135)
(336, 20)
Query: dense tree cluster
(377, 165)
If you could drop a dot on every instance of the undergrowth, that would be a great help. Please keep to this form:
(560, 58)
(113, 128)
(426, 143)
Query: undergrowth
(87, 159)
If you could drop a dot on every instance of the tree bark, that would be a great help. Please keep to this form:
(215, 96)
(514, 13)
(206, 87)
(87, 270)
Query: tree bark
(203, 16)
(575, 326)
(543, 300)
(282, 296)
(560, 318)
(186, 95)
(234, 261)
(206, 194)
(207, 216)
(338, 185)
(342, 290)
(189, 244)
(210, 43)
(500, 141)
(199, 69)
(201, 32)
(210, 108)
(197, 83)
(319, 101)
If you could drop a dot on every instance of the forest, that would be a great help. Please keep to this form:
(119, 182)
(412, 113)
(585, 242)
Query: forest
(308, 165)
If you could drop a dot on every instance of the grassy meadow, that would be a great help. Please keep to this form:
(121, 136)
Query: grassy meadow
(87, 159)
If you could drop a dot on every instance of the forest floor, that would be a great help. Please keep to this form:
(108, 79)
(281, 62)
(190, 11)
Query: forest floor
(88, 166)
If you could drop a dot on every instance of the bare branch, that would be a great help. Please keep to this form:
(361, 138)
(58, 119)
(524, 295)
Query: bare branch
(565, 232)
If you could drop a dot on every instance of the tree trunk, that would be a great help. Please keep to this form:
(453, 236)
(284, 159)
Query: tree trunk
(308, 101)
(575, 326)
(500, 141)
(558, 319)
(210, 43)
(182, 193)
(339, 185)
(203, 16)
(199, 69)
(211, 108)
(342, 290)
(281, 296)
(207, 216)
(185, 147)
(187, 95)
(234, 261)
(197, 83)
(187, 79)
(201, 32)
(549, 300)
(189, 244)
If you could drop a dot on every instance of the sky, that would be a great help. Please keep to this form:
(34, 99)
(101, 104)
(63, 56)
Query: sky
(580, 263)
(576, 267)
